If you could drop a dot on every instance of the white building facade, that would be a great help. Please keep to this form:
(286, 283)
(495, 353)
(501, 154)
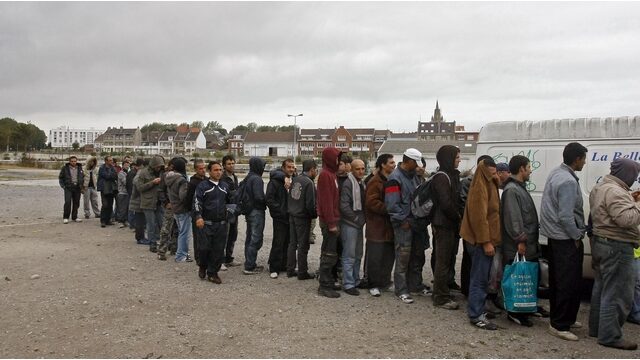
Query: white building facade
(64, 137)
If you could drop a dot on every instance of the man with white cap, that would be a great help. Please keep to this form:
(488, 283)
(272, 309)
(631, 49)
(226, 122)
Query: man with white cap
(409, 241)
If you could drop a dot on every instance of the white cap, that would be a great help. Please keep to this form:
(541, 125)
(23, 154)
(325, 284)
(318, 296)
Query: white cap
(413, 154)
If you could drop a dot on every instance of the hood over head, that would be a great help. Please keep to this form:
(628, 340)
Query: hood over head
(91, 163)
(626, 170)
(179, 165)
(277, 174)
(446, 157)
(256, 165)
(330, 156)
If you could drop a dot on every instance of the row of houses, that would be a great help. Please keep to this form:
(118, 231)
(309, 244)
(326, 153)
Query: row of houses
(184, 140)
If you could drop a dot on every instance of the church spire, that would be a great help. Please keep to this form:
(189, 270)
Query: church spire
(437, 116)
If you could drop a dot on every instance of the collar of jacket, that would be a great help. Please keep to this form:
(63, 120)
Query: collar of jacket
(570, 170)
(612, 179)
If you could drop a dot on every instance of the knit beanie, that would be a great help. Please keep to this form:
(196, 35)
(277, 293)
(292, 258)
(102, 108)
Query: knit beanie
(179, 165)
(626, 170)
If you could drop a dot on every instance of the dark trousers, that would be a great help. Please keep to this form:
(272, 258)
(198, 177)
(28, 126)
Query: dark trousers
(123, 208)
(466, 263)
(107, 208)
(445, 244)
(465, 271)
(565, 276)
(231, 241)
(212, 247)
(71, 203)
(279, 247)
(197, 235)
(380, 259)
(338, 266)
(328, 256)
(140, 224)
(299, 232)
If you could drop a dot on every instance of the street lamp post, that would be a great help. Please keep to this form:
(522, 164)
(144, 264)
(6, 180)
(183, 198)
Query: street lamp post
(295, 117)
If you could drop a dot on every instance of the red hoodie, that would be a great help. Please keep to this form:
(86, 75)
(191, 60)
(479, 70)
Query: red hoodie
(328, 198)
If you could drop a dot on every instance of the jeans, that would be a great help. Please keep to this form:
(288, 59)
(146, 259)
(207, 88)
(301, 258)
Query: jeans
(612, 296)
(565, 274)
(71, 203)
(184, 234)
(123, 208)
(410, 245)
(279, 247)
(351, 255)
(153, 220)
(635, 311)
(253, 242)
(131, 218)
(231, 241)
(107, 208)
(478, 281)
(90, 198)
(214, 238)
(299, 229)
(446, 242)
(380, 259)
(328, 256)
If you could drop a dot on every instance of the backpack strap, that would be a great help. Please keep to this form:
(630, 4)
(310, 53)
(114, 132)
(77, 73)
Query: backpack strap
(445, 174)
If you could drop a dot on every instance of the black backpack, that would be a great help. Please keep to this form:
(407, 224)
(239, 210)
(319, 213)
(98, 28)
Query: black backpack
(243, 198)
(422, 198)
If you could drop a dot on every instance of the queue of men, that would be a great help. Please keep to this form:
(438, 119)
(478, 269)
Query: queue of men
(493, 214)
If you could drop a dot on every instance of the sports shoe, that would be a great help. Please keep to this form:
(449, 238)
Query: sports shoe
(541, 312)
(188, 258)
(223, 267)
(564, 335)
(522, 320)
(122, 225)
(424, 292)
(576, 325)
(143, 242)
(375, 292)
(406, 298)
(65, 221)
(491, 308)
(273, 275)
(254, 271)
(484, 324)
(233, 263)
(305, 276)
(622, 345)
(182, 260)
(214, 279)
(330, 293)
(352, 291)
(449, 305)
(291, 274)
(77, 220)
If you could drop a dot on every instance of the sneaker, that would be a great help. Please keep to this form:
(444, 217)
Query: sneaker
(214, 279)
(337, 286)
(223, 267)
(375, 292)
(405, 298)
(77, 220)
(143, 242)
(449, 305)
(233, 263)
(162, 257)
(564, 335)
(65, 221)
(273, 275)
(424, 292)
(291, 274)
(188, 258)
(122, 225)
(352, 291)
(622, 345)
(521, 320)
(330, 293)
(305, 276)
(181, 260)
(541, 312)
(484, 324)
(576, 325)
(256, 270)
(491, 308)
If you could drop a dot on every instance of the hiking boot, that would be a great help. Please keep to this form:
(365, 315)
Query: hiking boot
(305, 276)
(330, 293)
(202, 272)
(564, 335)
(449, 305)
(484, 324)
(622, 345)
(406, 298)
(291, 274)
(375, 292)
(214, 279)
(162, 257)
(352, 291)
(522, 320)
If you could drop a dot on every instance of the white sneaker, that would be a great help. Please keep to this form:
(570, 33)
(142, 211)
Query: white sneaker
(374, 292)
(223, 268)
(405, 298)
(273, 275)
(564, 335)
(65, 221)
(78, 220)
(576, 325)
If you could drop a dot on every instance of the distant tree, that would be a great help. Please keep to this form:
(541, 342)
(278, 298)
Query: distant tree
(240, 128)
(75, 145)
(214, 126)
(197, 124)
(158, 126)
(251, 127)
(266, 128)
(183, 124)
(7, 125)
(285, 128)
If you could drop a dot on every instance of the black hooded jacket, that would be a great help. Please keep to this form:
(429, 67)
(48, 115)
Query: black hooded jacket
(255, 184)
(277, 196)
(447, 203)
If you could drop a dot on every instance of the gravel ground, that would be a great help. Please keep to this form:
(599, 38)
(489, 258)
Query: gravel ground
(78, 290)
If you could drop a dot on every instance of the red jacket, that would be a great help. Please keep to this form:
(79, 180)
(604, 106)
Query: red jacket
(328, 198)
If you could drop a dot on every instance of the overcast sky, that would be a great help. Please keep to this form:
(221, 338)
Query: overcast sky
(360, 64)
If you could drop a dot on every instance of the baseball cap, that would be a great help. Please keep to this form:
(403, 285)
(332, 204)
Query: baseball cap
(413, 154)
(502, 167)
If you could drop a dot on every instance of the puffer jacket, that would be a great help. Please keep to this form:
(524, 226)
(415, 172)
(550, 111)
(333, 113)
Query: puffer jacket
(177, 191)
(481, 220)
(276, 196)
(519, 219)
(614, 212)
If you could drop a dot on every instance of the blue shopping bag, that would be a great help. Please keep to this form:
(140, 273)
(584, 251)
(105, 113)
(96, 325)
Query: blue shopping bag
(520, 286)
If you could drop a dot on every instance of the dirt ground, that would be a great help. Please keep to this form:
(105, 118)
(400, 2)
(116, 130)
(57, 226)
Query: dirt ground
(80, 291)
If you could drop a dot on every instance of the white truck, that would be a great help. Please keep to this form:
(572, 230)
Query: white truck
(543, 142)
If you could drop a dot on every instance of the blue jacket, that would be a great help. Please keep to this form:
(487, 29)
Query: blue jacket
(255, 184)
(107, 180)
(398, 189)
(210, 201)
(561, 211)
